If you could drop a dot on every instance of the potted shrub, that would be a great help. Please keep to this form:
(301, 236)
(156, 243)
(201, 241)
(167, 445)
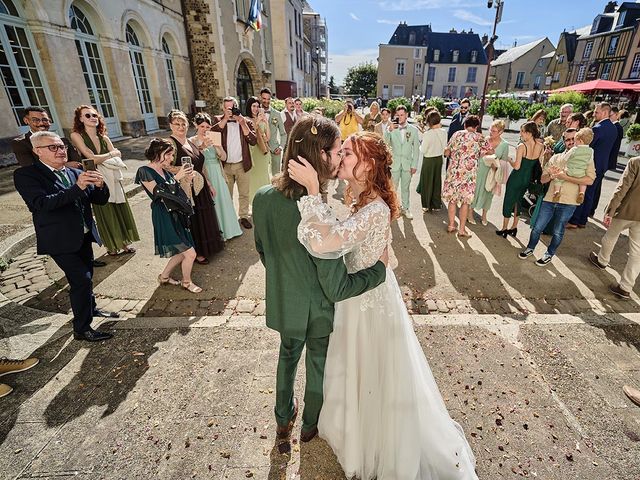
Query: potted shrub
(505, 109)
(633, 135)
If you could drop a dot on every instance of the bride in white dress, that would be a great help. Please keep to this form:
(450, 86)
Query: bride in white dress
(383, 414)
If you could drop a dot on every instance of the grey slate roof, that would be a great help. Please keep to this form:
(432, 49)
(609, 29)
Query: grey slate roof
(516, 52)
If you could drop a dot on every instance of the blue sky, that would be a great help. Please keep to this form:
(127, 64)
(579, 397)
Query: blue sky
(357, 27)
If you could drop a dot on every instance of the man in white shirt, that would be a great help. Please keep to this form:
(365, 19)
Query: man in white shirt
(383, 126)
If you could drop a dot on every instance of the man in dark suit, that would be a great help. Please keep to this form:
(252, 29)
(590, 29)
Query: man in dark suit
(604, 138)
(38, 120)
(457, 121)
(59, 199)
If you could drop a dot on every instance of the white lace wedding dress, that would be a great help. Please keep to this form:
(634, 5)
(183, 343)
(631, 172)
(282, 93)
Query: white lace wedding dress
(383, 414)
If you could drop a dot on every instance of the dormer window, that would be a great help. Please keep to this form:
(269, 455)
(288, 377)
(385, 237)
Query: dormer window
(436, 55)
(474, 56)
(412, 38)
(456, 54)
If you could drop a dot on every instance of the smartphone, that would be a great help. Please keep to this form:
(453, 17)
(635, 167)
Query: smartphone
(216, 138)
(186, 161)
(89, 165)
(396, 120)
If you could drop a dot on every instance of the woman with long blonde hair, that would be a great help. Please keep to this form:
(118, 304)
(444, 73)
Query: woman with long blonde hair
(382, 412)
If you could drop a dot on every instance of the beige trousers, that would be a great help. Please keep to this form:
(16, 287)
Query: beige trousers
(236, 175)
(632, 268)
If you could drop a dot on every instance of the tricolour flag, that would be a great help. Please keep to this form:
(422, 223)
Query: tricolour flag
(255, 17)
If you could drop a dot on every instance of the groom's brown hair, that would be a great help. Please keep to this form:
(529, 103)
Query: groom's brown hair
(308, 138)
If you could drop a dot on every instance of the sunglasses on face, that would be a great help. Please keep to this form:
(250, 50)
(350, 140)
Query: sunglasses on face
(90, 115)
(39, 120)
(55, 147)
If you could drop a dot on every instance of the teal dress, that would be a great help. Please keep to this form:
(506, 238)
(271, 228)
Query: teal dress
(223, 204)
(482, 199)
(169, 236)
(517, 185)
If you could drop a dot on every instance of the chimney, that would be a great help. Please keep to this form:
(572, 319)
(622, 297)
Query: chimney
(453, 30)
(485, 39)
(610, 7)
(471, 30)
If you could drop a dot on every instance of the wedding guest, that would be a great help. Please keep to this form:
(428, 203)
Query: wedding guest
(214, 154)
(434, 141)
(457, 121)
(528, 152)
(554, 212)
(372, 118)
(237, 135)
(557, 126)
(403, 139)
(604, 137)
(171, 239)
(589, 116)
(625, 120)
(615, 150)
(259, 173)
(623, 213)
(499, 162)
(59, 199)
(348, 120)
(205, 227)
(38, 120)
(298, 110)
(574, 122)
(540, 119)
(289, 114)
(385, 121)
(278, 137)
(115, 220)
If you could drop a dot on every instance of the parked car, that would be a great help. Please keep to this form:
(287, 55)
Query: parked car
(450, 108)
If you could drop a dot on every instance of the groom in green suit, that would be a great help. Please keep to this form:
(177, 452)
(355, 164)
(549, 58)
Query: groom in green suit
(300, 289)
(403, 139)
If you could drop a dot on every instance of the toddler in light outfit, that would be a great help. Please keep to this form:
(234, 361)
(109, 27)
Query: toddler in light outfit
(575, 163)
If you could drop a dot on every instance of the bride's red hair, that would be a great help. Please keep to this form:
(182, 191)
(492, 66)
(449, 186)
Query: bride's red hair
(372, 150)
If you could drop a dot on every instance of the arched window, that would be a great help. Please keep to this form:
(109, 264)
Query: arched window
(140, 77)
(93, 70)
(244, 85)
(171, 76)
(19, 66)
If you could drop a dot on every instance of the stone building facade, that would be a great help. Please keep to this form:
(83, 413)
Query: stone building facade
(126, 58)
(287, 27)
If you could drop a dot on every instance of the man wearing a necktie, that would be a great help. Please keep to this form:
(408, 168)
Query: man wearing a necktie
(59, 199)
(405, 148)
(278, 137)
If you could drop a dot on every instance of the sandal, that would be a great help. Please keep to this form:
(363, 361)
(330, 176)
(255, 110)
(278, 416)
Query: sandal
(112, 254)
(451, 228)
(192, 287)
(204, 261)
(128, 249)
(464, 234)
(167, 281)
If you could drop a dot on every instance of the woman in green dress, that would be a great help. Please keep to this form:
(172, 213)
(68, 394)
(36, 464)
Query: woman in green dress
(115, 221)
(210, 145)
(260, 156)
(171, 239)
(372, 118)
(529, 152)
(483, 197)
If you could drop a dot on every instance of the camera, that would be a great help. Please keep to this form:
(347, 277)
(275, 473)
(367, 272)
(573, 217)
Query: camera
(235, 111)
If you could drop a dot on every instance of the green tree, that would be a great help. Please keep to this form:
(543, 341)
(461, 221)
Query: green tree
(333, 88)
(362, 79)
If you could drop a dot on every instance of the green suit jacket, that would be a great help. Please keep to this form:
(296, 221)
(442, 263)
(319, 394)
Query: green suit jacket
(406, 151)
(301, 289)
(278, 136)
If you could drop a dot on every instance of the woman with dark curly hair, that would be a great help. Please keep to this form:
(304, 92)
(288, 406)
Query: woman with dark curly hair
(382, 414)
(115, 221)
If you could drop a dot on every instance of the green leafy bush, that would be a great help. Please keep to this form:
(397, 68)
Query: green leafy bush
(474, 108)
(329, 107)
(395, 102)
(277, 104)
(579, 101)
(505, 108)
(633, 133)
(438, 103)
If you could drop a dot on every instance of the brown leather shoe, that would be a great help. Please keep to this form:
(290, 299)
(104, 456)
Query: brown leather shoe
(593, 256)
(308, 436)
(246, 223)
(283, 431)
(632, 393)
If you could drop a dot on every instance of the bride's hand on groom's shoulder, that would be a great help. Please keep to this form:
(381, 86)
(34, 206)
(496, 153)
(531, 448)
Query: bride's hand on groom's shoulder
(301, 171)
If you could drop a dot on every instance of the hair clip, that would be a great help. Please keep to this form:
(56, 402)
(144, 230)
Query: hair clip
(314, 130)
(298, 140)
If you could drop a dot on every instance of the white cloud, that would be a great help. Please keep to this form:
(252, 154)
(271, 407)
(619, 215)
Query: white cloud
(340, 63)
(471, 18)
(388, 21)
(353, 15)
(408, 5)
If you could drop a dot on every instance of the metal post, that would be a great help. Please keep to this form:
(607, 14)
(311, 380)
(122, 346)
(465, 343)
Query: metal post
(490, 53)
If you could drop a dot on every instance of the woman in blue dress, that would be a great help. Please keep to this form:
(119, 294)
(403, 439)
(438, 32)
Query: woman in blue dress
(213, 155)
(171, 239)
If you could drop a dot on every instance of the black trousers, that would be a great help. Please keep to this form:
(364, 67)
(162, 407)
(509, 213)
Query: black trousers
(78, 268)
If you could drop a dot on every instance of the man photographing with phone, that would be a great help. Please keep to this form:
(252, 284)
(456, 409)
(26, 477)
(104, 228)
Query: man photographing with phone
(237, 135)
(59, 199)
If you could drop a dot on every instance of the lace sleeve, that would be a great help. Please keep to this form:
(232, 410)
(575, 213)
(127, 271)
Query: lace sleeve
(324, 236)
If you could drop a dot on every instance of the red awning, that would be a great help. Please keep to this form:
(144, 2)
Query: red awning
(598, 85)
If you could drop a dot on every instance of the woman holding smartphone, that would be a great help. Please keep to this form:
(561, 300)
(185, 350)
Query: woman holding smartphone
(114, 220)
(260, 156)
(210, 144)
(204, 223)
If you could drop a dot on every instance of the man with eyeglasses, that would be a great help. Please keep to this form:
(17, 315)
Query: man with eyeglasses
(59, 199)
(38, 120)
(457, 121)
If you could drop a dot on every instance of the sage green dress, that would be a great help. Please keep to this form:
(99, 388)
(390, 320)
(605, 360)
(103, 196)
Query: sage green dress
(259, 173)
(115, 221)
(483, 198)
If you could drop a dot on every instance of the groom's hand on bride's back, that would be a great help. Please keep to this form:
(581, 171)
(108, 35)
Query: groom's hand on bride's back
(384, 258)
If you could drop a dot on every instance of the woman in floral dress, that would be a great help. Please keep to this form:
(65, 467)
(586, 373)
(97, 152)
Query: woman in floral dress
(465, 148)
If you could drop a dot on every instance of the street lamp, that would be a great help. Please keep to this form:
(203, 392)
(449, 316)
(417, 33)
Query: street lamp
(490, 50)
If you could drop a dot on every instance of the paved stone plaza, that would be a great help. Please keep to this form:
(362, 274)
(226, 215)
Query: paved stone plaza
(530, 361)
